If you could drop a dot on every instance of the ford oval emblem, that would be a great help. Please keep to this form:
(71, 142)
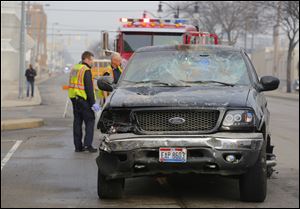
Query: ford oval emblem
(176, 120)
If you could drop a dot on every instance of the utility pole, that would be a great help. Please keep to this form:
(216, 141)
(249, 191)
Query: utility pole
(30, 31)
(245, 34)
(52, 48)
(22, 51)
(276, 41)
(254, 22)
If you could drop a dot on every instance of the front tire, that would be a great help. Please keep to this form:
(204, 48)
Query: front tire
(110, 188)
(253, 184)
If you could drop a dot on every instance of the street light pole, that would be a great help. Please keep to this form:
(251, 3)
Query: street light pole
(177, 9)
(22, 51)
(177, 12)
(155, 16)
(276, 41)
(196, 16)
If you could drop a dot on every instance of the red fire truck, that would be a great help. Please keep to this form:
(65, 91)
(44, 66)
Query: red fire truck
(136, 33)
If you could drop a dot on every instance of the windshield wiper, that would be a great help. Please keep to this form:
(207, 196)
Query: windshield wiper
(155, 82)
(210, 81)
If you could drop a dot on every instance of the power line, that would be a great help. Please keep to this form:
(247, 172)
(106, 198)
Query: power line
(66, 34)
(83, 10)
(62, 29)
(90, 10)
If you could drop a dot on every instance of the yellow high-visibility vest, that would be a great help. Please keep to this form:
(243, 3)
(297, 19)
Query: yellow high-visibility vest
(99, 93)
(110, 71)
(76, 82)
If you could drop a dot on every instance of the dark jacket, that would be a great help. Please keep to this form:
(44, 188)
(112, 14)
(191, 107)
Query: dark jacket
(88, 86)
(116, 74)
(30, 74)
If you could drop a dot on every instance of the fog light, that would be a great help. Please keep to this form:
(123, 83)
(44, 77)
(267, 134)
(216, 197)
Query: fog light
(230, 158)
(139, 166)
(211, 166)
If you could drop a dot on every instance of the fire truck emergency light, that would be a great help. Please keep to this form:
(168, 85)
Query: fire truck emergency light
(124, 19)
(148, 20)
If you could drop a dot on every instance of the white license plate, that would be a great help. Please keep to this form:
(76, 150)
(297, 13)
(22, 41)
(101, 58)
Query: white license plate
(172, 155)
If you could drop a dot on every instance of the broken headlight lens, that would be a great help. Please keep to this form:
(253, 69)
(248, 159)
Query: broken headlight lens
(115, 121)
(235, 119)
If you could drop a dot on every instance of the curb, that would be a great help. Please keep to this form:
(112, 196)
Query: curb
(15, 124)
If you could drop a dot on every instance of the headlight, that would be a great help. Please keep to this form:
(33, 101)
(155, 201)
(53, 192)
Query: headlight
(115, 121)
(238, 119)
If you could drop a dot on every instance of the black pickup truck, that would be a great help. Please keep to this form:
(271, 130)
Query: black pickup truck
(187, 109)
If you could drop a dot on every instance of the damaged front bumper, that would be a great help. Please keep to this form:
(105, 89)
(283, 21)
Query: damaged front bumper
(130, 155)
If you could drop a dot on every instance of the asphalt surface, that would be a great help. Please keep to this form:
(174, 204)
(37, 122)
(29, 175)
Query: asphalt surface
(44, 171)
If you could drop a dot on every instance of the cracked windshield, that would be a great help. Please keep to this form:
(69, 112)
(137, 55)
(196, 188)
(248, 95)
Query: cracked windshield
(187, 67)
(149, 104)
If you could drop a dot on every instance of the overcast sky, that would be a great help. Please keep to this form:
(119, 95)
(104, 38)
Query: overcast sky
(105, 16)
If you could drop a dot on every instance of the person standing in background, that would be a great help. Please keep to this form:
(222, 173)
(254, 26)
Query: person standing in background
(30, 75)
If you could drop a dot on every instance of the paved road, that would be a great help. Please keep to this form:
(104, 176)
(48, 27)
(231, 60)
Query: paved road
(45, 172)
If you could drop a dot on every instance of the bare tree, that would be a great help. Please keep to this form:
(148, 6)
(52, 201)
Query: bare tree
(207, 21)
(257, 19)
(229, 16)
(224, 18)
(290, 24)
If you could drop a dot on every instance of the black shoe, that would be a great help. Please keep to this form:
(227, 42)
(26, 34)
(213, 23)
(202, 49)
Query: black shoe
(90, 149)
(79, 150)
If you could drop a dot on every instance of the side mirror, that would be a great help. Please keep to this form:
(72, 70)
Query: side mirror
(105, 83)
(269, 83)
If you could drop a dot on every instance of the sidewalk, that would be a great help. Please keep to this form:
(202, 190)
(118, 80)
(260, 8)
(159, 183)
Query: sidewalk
(9, 99)
(283, 95)
(10, 91)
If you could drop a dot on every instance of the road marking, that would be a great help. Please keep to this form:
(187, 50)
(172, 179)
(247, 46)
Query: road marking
(10, 153)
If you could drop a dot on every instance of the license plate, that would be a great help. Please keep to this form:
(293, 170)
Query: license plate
(172, 155)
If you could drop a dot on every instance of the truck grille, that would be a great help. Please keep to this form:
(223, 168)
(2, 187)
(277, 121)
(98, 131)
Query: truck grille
(159, 121)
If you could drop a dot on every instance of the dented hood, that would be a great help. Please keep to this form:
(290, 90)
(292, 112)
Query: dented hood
(195, 96)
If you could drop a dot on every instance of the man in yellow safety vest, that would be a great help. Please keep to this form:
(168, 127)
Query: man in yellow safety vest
(82, 95)
(114, 69)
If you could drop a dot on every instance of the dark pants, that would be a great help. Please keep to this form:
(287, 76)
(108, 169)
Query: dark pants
(30, 84)
(83, 112)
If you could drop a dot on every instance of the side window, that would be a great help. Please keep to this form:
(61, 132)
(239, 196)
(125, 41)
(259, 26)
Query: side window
(253, 71)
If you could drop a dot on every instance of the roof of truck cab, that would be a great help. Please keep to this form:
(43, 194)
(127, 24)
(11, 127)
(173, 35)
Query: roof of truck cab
(182, 29)
(154, 30)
